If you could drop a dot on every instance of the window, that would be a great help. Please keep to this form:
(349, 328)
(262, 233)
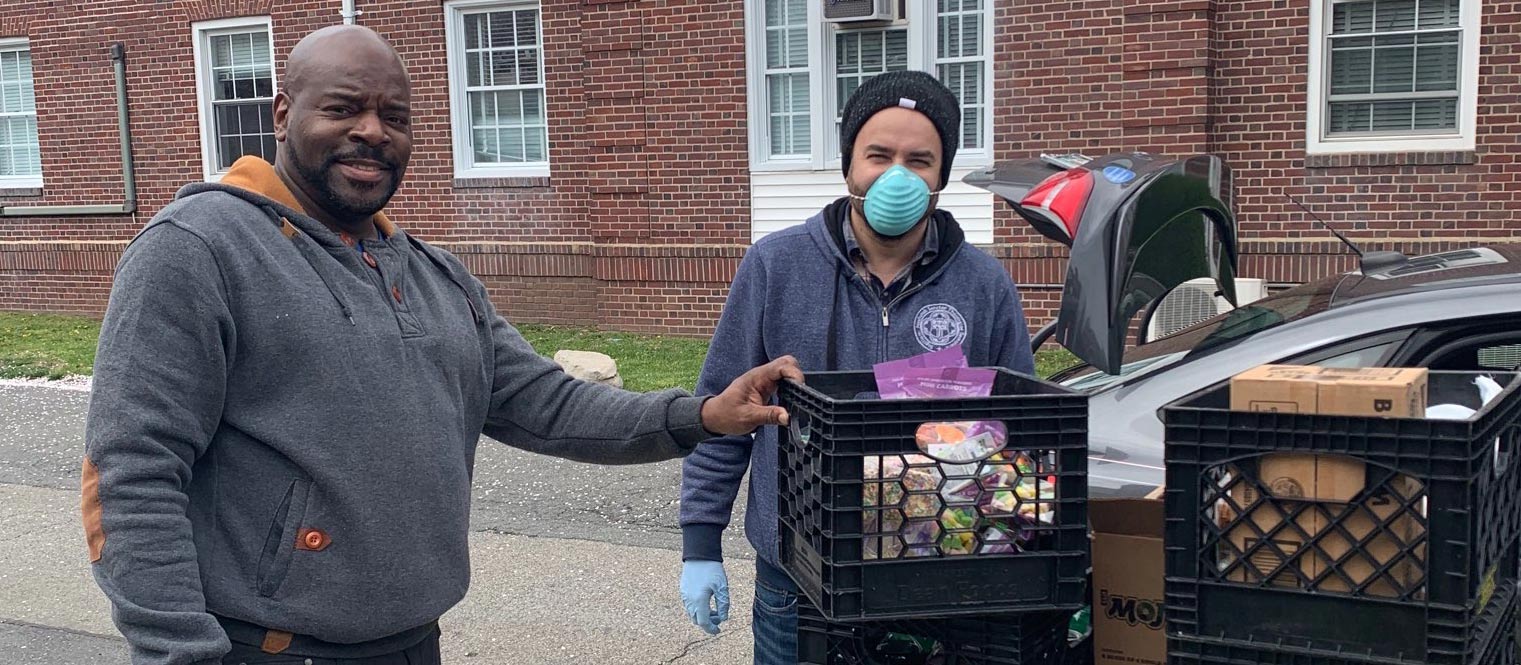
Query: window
(20, 151)
(786, 75)
(961, 64)
(496, 86)
(235, 66)
(795, 115)
(858, 56)
(1393, 75)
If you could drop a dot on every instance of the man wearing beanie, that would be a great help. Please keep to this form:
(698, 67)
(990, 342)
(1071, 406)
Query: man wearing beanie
(878, 275)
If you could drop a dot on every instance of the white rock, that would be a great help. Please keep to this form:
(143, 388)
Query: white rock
(590, 366)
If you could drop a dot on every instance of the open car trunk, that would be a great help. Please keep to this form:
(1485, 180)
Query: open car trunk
(1138, 225)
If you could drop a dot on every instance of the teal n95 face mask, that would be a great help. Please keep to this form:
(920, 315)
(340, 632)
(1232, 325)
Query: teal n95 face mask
(895, 202)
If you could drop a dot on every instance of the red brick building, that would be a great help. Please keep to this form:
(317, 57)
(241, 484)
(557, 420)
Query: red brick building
(606, 162)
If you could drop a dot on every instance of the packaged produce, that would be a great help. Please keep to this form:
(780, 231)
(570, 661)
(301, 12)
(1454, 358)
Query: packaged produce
(967, 493)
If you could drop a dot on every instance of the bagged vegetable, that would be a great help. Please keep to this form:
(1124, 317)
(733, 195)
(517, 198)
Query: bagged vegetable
(966, 494)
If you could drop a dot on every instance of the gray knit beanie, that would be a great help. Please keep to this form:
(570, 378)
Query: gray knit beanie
(910, 89)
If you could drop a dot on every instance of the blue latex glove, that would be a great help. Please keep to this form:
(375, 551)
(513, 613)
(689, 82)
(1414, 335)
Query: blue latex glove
(703, 582)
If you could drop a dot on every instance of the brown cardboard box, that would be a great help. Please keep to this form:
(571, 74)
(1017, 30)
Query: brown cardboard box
(1362, 520)
(1285, 388)
(1128, 623)
(1378, 391)
(1374, 391)
(1299, 478)
(1329, 481)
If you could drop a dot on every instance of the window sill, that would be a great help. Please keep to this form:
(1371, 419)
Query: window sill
(1412, 158)
(17, 191)
(507, 182)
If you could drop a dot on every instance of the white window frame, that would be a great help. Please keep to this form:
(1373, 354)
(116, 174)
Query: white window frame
(459, 100)
(1316, 142)
(203, 32)
(760, 118)
(965, 158)
(26, 181)
(923, 26)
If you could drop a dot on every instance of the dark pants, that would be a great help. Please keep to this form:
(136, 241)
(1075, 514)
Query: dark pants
(422, 653)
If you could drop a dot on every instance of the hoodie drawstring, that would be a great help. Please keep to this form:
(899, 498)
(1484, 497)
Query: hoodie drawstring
(306, 250)
(831, 351)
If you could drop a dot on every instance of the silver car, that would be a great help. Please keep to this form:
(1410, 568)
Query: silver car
(1139, 226)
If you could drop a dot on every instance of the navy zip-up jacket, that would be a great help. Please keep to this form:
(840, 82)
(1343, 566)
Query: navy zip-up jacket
(794, 291)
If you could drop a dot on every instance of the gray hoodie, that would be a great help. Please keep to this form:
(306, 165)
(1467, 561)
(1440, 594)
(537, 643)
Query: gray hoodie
(282, 435)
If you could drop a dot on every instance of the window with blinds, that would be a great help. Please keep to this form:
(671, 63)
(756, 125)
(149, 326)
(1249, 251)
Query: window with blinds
(1394, 67)
(788, 126)
(804, 69)
(242, 82)
(862, 54)
(499, 108)
(960, 62)
(504, 83)
(20, 152)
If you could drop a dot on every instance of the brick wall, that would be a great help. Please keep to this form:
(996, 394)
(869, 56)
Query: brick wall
(1229, 77)
(639, 225)
(1395, 199)
(645, 214)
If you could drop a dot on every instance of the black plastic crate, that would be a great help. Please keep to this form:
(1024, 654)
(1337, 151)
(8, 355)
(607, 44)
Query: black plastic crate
(1030, 638)
(924, 556)
(1400, 569)
(1494, 644)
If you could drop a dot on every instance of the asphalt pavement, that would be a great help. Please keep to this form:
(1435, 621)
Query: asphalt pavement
(571, 563)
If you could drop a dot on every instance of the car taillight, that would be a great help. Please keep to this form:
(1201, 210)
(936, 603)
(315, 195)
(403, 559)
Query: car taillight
(1062, 197)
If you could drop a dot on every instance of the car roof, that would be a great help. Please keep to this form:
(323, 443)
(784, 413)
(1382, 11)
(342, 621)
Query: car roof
(1486, 264)
(1432, 278)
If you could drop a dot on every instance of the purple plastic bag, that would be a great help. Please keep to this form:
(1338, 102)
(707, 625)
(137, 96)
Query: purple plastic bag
(890, 375)
(944, 382)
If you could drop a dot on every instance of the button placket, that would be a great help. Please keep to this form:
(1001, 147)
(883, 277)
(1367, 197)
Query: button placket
(391, 289)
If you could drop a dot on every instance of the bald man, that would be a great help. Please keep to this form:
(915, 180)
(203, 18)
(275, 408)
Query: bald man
(289, 390)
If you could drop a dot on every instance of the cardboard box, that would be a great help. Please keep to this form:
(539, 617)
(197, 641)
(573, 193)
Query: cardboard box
(1281, 388)
(1380, 391)
(1330, 483)
(1362, 520)
(1293, 480)
(1129, 627)
(1333, 486)
(1393, 392)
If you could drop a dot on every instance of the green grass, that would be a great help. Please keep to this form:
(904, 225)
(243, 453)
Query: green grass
(52, 347)
(653, 363)
(1052, 359)
(645, 362)
(43, 346)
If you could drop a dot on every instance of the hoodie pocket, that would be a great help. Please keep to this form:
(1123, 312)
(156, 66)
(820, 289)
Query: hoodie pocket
(280, 542)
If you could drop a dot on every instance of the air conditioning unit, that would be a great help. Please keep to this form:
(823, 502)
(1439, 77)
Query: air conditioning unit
(860, 11)
(1195, 300)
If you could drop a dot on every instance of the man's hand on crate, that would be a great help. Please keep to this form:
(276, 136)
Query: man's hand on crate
(743, 407)
(702, 583)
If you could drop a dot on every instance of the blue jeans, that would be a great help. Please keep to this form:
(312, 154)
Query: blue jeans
(774, 623)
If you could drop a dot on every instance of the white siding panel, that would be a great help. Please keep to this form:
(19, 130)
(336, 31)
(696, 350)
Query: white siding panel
(781, 199)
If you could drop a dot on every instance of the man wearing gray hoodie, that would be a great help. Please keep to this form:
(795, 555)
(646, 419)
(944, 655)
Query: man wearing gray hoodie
(289, 390)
